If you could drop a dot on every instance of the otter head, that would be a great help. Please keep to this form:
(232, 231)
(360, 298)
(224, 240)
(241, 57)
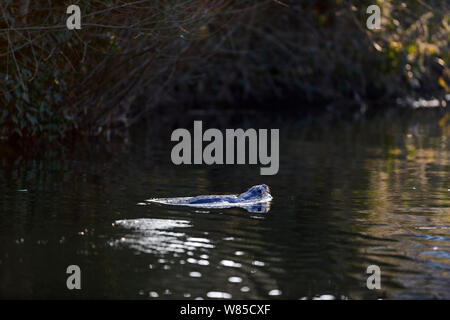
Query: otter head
(256, 192)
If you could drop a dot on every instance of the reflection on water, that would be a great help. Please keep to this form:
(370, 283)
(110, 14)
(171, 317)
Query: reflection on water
(155, 235)
(257, 207)
(348, 195)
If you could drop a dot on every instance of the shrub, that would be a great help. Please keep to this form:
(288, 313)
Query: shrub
(132, 56)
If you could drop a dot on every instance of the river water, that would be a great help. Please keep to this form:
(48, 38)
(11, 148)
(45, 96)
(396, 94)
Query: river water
(349, 194)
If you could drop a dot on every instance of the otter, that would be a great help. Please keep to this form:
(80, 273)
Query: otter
(250, 200)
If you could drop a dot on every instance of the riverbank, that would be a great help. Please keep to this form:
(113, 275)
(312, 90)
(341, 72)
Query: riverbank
(164, 120)
(128, 61)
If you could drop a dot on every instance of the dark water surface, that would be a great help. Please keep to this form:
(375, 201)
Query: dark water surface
(348, 194)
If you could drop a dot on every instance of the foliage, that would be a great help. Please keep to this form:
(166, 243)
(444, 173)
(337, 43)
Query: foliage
(131, 56)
